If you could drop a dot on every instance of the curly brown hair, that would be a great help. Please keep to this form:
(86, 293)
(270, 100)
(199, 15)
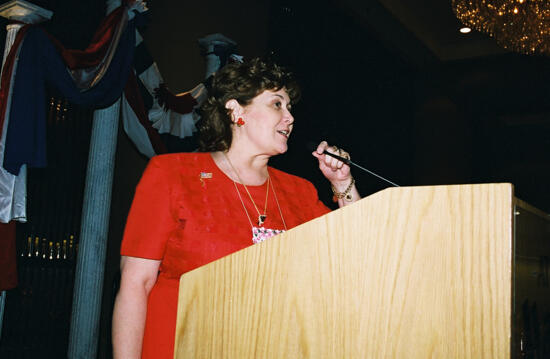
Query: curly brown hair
(242, 82)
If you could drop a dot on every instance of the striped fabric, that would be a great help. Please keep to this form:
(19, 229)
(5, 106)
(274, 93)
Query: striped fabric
(164, 121)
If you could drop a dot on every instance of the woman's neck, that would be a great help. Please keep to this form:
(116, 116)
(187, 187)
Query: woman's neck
(241, 167)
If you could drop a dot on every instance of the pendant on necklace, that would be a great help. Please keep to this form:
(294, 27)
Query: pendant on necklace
(261, 219)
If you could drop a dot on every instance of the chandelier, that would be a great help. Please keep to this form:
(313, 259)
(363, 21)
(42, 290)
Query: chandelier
(518, 25)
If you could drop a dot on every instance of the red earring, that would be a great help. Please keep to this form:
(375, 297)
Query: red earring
(240, 121)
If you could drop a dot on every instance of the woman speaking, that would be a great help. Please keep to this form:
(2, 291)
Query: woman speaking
(190, 209)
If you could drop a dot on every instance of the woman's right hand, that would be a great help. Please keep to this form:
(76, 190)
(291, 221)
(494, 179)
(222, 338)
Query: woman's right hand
(337, 172)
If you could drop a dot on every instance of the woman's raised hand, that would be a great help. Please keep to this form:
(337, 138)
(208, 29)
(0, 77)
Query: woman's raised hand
(336, 171)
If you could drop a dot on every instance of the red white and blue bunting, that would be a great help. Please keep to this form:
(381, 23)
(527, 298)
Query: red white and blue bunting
(115, 65)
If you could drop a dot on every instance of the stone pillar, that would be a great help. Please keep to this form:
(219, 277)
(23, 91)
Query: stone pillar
(12, 30)
(92, 244)
(23, 12)
(207, 44)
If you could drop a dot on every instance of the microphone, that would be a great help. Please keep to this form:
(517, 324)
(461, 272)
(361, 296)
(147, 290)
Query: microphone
(313, 147)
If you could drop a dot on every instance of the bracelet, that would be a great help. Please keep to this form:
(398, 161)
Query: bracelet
(346, 195)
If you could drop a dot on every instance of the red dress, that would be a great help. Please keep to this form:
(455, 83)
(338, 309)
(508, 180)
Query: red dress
(186, 213)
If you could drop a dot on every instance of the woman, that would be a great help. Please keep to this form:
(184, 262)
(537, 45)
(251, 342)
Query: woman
(190, 209)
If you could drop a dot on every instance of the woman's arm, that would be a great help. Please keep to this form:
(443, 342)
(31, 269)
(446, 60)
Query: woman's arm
(137, 277)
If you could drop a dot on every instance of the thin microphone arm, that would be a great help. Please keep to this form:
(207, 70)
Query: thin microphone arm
(351, 163)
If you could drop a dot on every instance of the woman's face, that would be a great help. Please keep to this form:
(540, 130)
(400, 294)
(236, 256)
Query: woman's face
(268, 122)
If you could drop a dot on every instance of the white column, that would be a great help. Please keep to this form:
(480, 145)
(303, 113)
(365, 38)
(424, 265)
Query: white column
(30, 14)
(94, 229)
(12, 30)
(92, 245)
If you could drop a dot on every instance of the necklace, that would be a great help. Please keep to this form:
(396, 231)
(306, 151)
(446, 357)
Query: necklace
(261, 217)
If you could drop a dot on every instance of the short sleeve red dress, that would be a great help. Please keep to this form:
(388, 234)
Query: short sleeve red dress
(186, 212)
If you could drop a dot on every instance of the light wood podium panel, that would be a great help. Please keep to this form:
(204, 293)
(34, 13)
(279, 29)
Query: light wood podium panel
(410, 272)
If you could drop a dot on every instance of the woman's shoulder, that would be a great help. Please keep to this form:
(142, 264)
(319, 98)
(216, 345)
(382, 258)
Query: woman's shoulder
(175, 160)
(177, 164)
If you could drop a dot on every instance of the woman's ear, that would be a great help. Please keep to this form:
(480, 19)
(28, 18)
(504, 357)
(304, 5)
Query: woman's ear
(235, 107)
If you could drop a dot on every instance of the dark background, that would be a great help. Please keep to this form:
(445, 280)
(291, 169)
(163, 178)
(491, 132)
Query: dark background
(401, 109)
(481, 119)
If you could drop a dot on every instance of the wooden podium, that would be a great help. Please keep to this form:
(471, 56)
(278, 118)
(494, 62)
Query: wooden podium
(410, 272)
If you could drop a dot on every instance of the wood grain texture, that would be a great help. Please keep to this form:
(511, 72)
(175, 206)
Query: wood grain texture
(411, 272)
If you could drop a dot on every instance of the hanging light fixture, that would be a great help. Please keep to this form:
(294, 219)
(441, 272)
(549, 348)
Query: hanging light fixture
(518, 25)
